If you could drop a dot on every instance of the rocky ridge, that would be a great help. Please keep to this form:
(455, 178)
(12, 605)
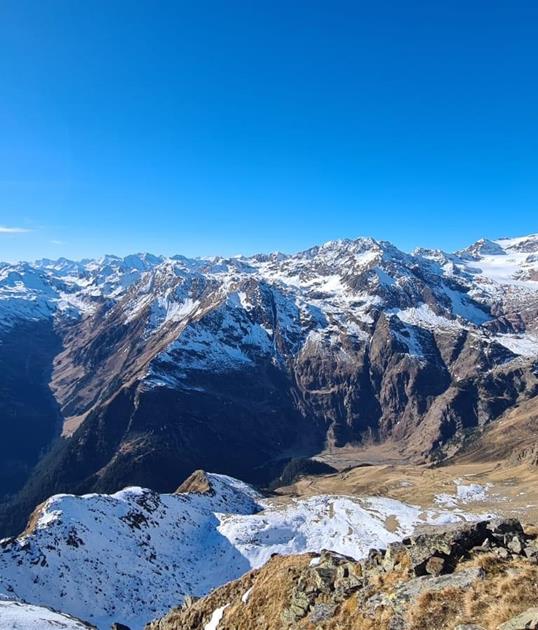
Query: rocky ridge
(482, 575)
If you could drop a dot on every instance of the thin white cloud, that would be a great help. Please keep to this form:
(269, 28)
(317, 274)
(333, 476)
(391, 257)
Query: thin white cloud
(56, 242)
(12, 230)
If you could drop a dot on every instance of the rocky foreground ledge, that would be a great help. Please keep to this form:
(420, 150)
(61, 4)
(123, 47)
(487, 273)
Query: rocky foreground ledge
(472, 576)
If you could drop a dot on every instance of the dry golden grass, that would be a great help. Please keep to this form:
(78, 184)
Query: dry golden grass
(382, 621)
(435, 610)
(514, 490)
(531, 530)
(508, 589)
(271, 588)
(503, 598)
(491, 563)
(268, 598)
(514, 431)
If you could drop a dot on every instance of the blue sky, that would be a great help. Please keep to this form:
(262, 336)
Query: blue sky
(225, 127)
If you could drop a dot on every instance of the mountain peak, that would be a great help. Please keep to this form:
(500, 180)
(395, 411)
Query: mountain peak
(482, 247)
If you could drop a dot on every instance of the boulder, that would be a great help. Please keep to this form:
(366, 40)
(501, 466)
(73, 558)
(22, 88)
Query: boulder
(437, 552)
(408, 591)
(531, 551)
(526, 621)
(189, 601)
(516, 545)
(435, 565)
(501, 526)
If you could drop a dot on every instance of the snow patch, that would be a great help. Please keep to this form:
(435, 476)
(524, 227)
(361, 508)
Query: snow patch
(216, 617)
(522, 345)
(424, 316)
(465, 493)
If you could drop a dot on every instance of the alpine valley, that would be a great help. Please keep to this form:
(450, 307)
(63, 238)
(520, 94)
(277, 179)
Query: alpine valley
(341, 398)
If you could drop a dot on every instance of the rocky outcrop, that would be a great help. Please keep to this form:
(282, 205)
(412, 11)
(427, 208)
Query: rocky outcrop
(439, 552)
(526, 455)
(199, 483)
(399, 588)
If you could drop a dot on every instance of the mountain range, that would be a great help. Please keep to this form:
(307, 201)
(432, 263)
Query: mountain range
(140, 370)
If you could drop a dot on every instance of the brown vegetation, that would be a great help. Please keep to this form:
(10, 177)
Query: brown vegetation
(486, 584)
(508, 588)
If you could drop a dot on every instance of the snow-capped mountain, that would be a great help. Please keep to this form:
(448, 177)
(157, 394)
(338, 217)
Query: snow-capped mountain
(154, 366)
(342, 282)
(130, 556)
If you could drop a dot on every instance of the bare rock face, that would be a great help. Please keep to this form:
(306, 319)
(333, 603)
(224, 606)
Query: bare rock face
(334, 578)
(527, 455)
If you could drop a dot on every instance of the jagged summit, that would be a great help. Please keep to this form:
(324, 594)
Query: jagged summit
(483, 247)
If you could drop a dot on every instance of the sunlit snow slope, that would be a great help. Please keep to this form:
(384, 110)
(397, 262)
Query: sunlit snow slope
(20, 616)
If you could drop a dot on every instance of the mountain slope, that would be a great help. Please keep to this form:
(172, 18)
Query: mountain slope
(171, 364)
(131, 556)
(19, 616)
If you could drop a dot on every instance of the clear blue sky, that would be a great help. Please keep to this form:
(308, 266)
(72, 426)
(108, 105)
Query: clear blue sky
(207, 127)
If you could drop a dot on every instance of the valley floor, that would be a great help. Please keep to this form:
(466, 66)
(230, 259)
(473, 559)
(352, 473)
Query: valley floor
(496, 487)
(500, 464)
